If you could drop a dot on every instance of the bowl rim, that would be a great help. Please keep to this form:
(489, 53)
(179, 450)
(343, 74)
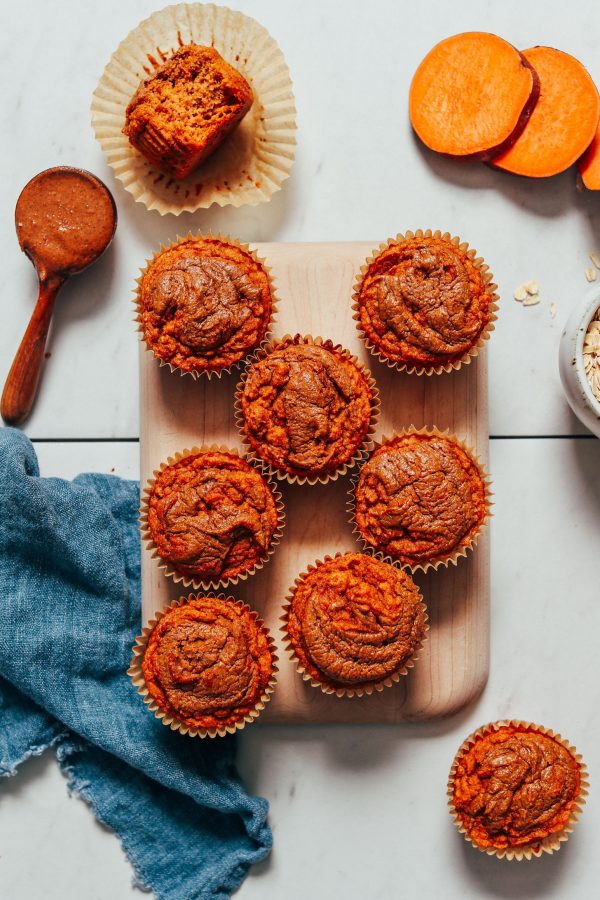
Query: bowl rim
(592, 305)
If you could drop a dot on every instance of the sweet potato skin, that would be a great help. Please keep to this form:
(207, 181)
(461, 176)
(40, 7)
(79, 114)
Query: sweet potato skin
(563, 123)
(589, 164)
(512, 130)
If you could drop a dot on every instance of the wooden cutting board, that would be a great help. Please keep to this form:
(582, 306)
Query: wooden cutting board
(314, 284)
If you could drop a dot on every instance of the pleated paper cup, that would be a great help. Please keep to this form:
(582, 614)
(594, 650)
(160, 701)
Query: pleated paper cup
(465, 547)
(167, 567)
(253, 162)
(226, 241)
(360, 690)
(411, 368)
(535, 849)
(361, 450)
(136, 673)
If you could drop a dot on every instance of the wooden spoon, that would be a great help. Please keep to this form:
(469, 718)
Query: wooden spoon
(65, 219)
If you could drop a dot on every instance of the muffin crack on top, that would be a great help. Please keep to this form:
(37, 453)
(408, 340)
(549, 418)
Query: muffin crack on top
(419, 498)
(424, 302)
(306, 407)
(204, 304)
(208, 663)
(354, 622)
(211, 516)
(515, 786)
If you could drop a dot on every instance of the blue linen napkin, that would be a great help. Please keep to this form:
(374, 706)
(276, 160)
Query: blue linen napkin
(69, 614)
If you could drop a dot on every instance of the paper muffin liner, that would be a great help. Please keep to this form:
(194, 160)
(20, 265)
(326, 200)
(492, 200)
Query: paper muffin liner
(361, 451)
(136, 673)
(490, 287)
(253, 162)
(552, 842)
(165, 566)
(430, 564)
(224, 239)
(344, 691)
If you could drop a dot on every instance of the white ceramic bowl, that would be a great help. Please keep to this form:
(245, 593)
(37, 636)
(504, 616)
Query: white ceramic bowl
(570, 362)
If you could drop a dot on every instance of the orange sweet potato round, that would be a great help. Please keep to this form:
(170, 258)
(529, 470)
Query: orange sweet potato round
(564, 121)
(472, 96)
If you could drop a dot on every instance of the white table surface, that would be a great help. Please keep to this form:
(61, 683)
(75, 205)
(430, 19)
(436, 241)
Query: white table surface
(357, 813)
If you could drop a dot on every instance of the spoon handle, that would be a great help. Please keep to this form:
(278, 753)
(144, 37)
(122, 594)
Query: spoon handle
(21, 385)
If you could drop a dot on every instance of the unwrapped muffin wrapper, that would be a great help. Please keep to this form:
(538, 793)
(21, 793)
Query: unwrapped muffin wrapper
(253, 162)
(552, 842)
(345, 690)
(166, 567)
(226, 240)
(433, 564)
(360, 452)
(489, 286)
(136, 674)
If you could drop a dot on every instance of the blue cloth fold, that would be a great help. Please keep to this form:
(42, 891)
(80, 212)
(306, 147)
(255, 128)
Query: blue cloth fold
(69, 614)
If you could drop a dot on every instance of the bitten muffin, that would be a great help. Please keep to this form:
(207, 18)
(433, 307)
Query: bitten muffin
(211, 516)
(180, 114)
(355, 622)
(424, 302)
(208, 663)
(420, 499)
(514, 787)
(306, 408)
(204, 304)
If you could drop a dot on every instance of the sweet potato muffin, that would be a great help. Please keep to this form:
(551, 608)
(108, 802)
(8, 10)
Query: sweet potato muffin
(424, 302)
(211, 516)
(306, 407)
(514, 786)
(420, 499)
(208, 662)
(354, 621)
(180, 114)
(204, 304)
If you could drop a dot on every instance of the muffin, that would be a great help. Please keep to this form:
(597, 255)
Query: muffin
(211, 517)
(420, 499)
(425, 302)
(204, 303)
(354, 624)
(306, 408)
(515, 788)
(205, 666)
(180, 114)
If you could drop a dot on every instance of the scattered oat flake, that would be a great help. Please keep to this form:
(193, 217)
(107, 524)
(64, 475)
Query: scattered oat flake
(520, 293)
(532, 287)
(590, 274)
(595, 259)
(553, 309)
(532, 300)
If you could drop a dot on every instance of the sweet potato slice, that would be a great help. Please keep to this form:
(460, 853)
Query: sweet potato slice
(472, 95)
(589, 164)
(564, 120)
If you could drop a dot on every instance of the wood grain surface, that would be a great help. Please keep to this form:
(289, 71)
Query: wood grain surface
(314, 284)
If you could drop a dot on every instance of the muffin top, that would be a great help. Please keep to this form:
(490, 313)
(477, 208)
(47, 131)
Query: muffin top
(515, 786)
(306, 408)
(204, 304)
(208, 662)
(423, 302)
(420, 498)
(354, 621)
(212, 516)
